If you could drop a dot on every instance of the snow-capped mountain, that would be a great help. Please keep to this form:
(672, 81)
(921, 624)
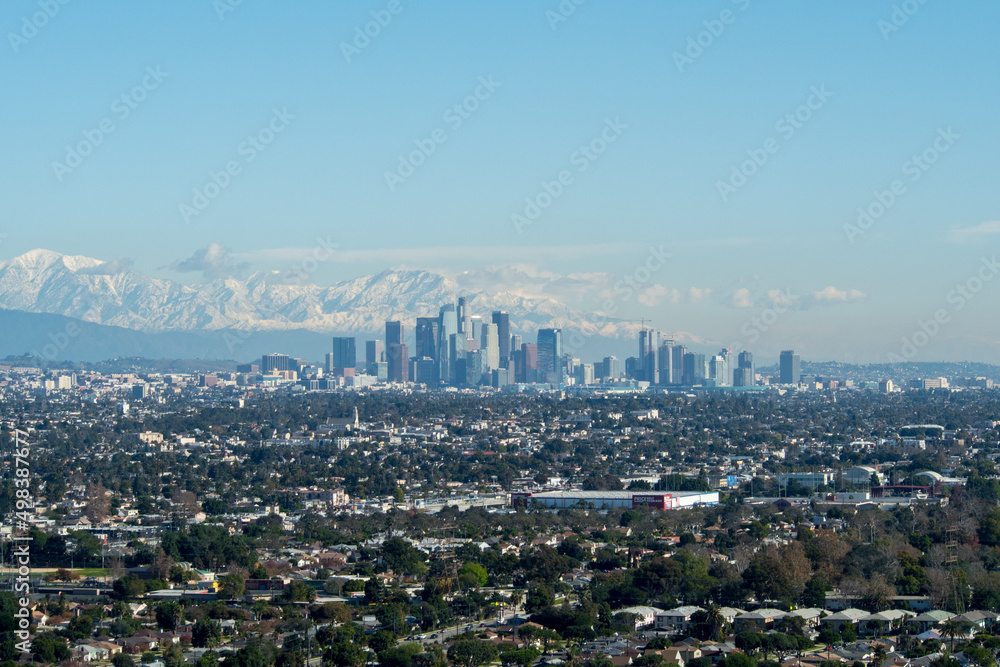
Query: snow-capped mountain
(107, 293)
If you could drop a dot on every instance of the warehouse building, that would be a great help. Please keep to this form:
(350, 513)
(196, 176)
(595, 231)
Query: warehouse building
(663, 500)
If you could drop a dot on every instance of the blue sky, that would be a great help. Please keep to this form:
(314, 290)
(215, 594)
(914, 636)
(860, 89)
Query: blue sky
(890, 91)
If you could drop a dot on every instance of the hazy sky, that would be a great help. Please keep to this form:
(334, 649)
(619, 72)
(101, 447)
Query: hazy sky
(830, 102)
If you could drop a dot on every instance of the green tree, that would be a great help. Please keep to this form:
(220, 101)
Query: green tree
(345, 654)
(47, 647)
(168, 616)
(206, 633)
(173, 656)
(232, 586)
(122, 660)
(472, 653)
(473, 573)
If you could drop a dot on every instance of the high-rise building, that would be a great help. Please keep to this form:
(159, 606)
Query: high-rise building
(426, 333)
(448, 327)
(464, 326)
(530, 352)
(501, 318)
(424, 370)
(694, 369)
(275, 362)
(398, 357)
(550, 356)
(744, 375)
(393, 333)
(666, 362)
(678, 364)
(475, 329)
(646, 367)
(475, 367)
(344, 353)
(374, 353)
(788, 364)
(515, 345)
(612, 368)
(490, 346)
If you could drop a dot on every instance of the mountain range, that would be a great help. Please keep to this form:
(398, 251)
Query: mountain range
(118, 311)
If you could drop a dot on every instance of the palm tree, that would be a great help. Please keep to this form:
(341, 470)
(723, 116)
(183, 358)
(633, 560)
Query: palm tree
(714, 621)
(878, 655)
(953, 628)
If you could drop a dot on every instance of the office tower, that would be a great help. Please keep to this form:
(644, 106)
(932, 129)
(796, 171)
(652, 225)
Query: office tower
(501, 377)
(550, 356)
(694, 369)
(584, 374)
(248, 368)
(788, 364)
(344, 355)
(447, 328)
(646, 367)
(678, 364)
(530, 353)
(463, 316)
(475, 329)
(275, 362)
(475, 367)
(744, 374)
(329, 362)
(374, 353)
(727, 356)
(501, 318)
(666, 361)
(398, 358)
(515, 344)
(612, 368)
(717, 370)
(393, 333)
(424, 370)
(426, 334)
(491, 347)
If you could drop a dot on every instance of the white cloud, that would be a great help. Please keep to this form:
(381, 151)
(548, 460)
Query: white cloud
(975, 232)
(657, 295)
(213, 261)
(742, 298)
(108, 268)
(831, 293)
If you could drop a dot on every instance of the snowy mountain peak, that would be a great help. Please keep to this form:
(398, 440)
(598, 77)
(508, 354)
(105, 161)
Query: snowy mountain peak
(42, 281)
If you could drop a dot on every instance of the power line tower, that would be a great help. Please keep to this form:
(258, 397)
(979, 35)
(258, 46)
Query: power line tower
(951, 562)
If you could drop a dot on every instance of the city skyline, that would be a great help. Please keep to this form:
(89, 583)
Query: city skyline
(704, 167)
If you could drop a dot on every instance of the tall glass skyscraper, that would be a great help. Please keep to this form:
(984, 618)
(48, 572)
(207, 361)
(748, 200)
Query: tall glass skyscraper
(550, 356)
(788, 364)
(501, 318)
